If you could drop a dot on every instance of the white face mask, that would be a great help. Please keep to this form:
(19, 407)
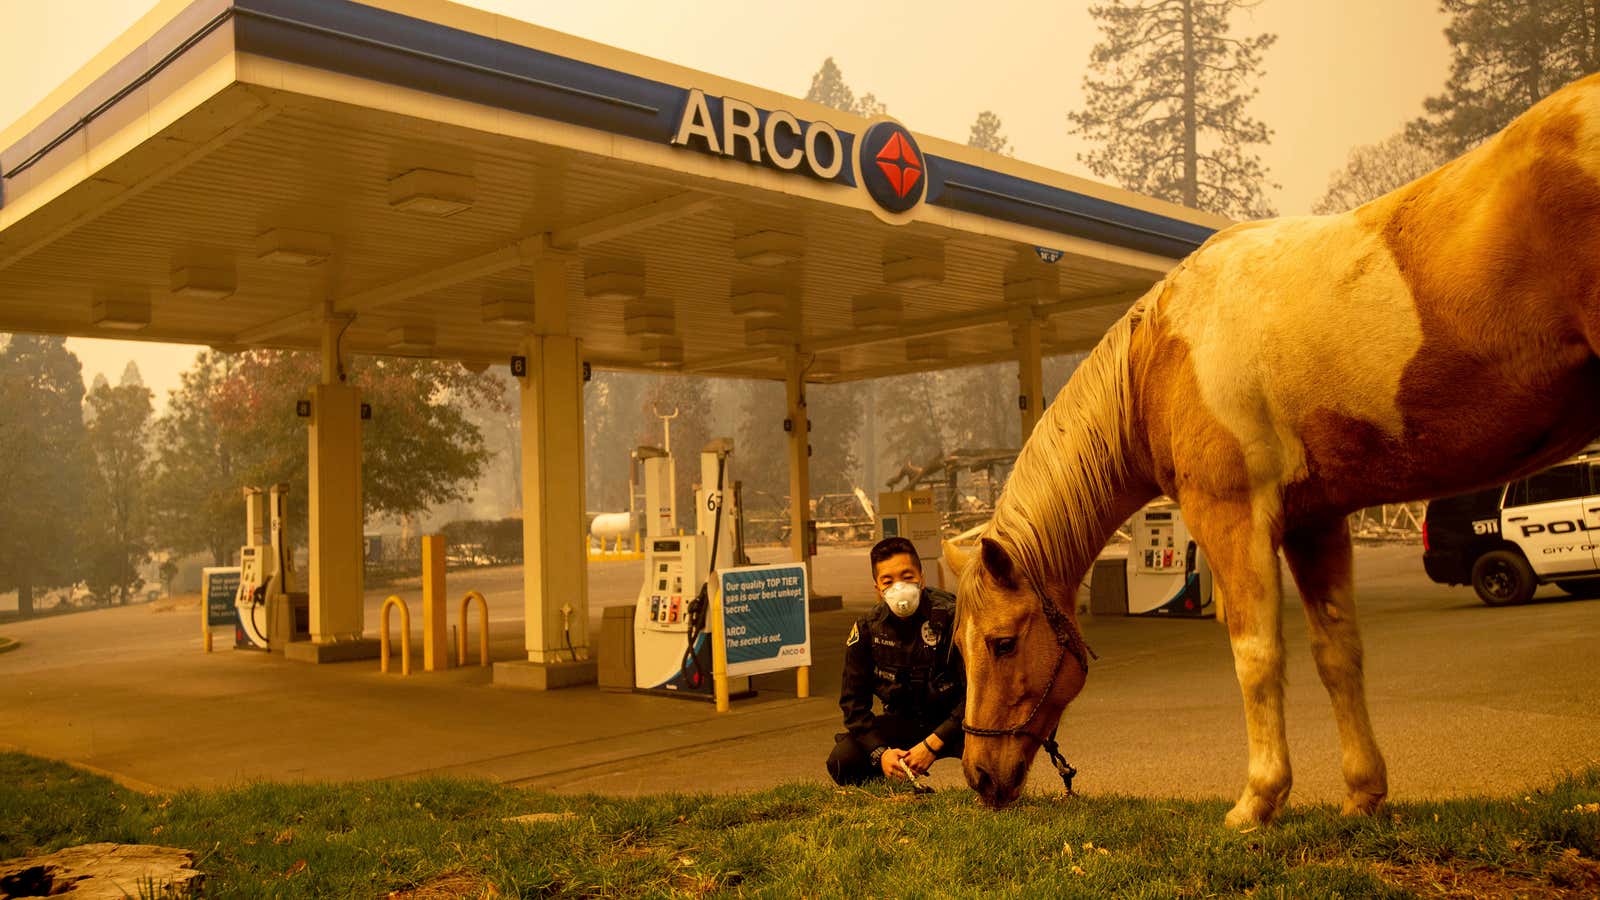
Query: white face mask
(903, 597)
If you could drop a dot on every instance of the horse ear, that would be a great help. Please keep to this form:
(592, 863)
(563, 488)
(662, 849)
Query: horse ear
(998, 562)
(955, 558)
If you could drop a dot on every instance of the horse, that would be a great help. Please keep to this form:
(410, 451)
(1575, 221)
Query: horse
(1286, 374)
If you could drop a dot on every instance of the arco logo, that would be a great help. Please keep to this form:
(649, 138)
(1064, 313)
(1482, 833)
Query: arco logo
(892, 167)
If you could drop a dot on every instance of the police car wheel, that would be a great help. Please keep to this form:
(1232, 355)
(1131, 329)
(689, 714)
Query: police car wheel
(1503, 577)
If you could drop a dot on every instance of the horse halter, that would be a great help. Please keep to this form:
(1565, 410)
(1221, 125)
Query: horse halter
(1068, 640)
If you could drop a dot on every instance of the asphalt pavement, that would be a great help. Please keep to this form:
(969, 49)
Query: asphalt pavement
(1466, 699)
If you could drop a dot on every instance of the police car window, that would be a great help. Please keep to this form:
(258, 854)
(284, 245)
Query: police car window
(1560, 483)
(1517, 493)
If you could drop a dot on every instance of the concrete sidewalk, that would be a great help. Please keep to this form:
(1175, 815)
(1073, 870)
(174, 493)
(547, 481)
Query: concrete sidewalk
(1466, 699)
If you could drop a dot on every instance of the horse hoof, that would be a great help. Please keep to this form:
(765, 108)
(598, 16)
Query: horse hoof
(1250, 812)
(1362, 803)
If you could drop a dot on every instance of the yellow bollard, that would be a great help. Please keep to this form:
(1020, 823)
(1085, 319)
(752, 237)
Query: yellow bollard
(719, 651)
(802, 682)
(483, 630)
(205, 620)
(435, 606)
(405, 637)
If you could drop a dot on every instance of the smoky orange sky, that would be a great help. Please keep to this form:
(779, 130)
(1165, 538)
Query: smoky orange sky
(1342, 73)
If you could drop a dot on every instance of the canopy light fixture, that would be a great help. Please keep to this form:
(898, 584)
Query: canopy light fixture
(758, 295)
(768, 333)
(498, 310)
(663, 352)
(291, 247)
(769, 248)
(432, 193)
(411, 337)
(759, 304)
(913, 272)
(120, 312)
(614, 279)
(648, 317)
(876, 312)
(203, 283)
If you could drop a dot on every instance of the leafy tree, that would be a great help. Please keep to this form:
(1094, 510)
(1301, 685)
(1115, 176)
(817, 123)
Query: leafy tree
(232, 424)
(1165, 103)
(761, 445)
(116, 535)
(42, 465)
(614, 423)
(1374, 170)
(837, 418)
(986, 134)
(1506, 55)
(906, 414)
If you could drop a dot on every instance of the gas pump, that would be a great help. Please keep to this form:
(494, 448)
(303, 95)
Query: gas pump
(657, 504)
(271, 613)
(671, 649)
(1167, 573)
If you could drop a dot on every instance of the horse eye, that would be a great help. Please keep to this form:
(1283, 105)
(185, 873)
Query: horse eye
(1002, 647)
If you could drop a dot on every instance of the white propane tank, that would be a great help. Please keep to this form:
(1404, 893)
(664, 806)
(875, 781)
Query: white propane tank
(610, 526)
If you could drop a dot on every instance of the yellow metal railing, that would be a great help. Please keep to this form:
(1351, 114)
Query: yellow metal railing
(405, 636)
(483, 630)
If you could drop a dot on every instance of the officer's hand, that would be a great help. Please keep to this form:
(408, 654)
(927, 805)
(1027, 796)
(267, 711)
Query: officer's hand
(920, 758)
(891, 763)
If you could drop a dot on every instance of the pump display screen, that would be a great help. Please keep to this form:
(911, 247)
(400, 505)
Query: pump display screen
(1158, 553)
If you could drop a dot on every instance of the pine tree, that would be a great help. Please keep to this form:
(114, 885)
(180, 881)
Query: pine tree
(986, 134)
(1165, 105)
(1506, 56)
(828, 88)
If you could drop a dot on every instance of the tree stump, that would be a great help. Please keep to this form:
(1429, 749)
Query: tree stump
(110, 871)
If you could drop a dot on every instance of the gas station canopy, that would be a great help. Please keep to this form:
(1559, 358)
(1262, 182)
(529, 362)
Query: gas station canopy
(240, 174)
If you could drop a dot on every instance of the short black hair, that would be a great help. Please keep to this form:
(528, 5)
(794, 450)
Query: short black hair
(894, 546)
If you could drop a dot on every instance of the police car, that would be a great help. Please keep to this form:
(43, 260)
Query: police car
(1506, 541)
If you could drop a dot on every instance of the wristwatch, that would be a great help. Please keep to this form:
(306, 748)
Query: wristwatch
(877, 756)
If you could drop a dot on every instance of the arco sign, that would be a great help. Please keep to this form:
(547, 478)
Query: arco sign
(887, 162)
(776, 138)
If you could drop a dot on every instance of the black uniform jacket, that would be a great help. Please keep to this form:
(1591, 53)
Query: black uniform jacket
(911, 664)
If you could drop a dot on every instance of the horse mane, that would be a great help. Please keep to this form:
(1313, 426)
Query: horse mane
(1068, 472)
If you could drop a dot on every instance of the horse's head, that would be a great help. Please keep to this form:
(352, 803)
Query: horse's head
(1024, 665)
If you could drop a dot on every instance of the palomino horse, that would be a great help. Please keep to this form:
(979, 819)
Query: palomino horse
(1287, 373)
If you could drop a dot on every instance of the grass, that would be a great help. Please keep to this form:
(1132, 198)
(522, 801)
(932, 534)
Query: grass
(451, 838)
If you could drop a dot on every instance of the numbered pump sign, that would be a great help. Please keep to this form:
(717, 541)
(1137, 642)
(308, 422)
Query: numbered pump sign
(765, 618)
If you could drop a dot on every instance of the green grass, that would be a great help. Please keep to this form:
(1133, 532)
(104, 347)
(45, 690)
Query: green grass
(445, 838)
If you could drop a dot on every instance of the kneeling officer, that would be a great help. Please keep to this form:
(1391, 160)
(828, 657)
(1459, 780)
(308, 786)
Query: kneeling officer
(903, 653)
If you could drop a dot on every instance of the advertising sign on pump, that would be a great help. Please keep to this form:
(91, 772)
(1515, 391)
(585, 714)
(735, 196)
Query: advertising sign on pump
(765, 618)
